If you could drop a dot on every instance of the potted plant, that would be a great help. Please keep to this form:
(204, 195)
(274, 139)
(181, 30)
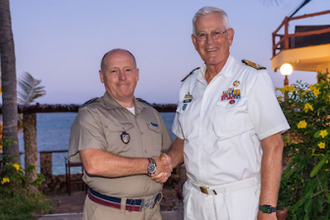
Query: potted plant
(305, 185)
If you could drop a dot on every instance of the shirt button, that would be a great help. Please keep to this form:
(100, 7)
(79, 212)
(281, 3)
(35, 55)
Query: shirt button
(141, 132)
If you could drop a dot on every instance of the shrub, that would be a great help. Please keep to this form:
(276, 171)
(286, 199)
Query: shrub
(16, 200)
(306, 178)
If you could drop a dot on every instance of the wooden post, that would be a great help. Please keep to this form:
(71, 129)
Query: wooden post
(286, 33)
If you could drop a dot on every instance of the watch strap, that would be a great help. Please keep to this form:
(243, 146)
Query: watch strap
(267, 209)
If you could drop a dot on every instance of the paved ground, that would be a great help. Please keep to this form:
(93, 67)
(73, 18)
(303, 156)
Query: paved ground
(166, 215)
(67, 207)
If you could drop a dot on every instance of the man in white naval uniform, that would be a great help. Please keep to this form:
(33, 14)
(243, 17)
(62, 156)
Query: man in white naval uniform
(228, 126)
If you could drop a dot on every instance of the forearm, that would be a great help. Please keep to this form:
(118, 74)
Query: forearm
(271, 169)
(176, 152)
(102, 163)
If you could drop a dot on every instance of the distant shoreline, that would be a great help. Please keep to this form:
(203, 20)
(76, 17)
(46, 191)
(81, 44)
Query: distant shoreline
(44, 108)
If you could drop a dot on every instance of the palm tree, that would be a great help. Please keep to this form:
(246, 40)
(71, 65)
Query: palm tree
(29, 90)
(8, 79)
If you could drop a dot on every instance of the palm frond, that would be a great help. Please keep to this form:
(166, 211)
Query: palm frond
(29, 89)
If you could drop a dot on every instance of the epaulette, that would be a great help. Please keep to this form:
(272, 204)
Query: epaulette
(88, 102)
(254, 65)
(189, 74)
(143, 101)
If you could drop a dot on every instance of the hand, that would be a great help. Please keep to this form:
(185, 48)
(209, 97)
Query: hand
(166, 160)
(164, 169)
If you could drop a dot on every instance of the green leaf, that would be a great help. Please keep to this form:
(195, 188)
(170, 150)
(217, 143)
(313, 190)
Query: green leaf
(300, 203)
(317, 168)
(327, 215)
(317, 134)
(308, 206)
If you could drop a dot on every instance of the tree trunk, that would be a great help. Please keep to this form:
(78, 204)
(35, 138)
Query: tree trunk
(9, 92)
(30, 146)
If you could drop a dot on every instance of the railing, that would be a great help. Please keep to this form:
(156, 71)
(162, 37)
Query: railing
(46, 165)
(283, 43)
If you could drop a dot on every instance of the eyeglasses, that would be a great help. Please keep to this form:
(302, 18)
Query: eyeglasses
(201, 36)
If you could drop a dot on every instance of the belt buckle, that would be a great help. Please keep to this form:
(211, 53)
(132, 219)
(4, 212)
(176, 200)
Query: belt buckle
(204, 189)
(147, 203)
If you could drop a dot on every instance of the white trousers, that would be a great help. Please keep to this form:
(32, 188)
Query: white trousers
(237, 204)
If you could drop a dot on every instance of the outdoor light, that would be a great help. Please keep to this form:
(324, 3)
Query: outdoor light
(286, 70)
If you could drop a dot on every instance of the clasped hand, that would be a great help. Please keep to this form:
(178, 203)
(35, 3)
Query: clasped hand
(164, 168)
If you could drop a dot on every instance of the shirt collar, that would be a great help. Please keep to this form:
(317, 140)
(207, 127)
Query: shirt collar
(226, 71)
(110, 103)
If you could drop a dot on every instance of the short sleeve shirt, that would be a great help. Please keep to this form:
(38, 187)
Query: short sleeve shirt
(223, 122)
(106, 125)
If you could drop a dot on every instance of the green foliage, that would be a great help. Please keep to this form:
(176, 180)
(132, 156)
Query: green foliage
(305, 181)
(16, 201)
(20, 204)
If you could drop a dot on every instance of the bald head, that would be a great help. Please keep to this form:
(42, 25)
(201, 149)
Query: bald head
(113, 52)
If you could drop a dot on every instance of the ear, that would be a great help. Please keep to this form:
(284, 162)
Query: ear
(231, 33)
(138, 74)
(101, 76)
(193, 38)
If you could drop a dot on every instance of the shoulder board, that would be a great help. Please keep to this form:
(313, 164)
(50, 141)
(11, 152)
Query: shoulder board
(189, 74)
(143, 101)
(88, 102)
(254, 65)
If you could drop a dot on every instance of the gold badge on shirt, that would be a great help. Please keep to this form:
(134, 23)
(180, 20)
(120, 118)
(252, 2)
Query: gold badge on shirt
(236, 83)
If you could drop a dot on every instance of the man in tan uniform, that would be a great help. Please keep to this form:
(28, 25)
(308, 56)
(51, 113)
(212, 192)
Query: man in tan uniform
(117, 137)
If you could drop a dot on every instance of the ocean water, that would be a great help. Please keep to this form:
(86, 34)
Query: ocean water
(53, 133)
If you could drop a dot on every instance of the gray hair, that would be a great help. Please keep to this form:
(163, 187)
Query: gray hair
(207, 10)
(103, 66)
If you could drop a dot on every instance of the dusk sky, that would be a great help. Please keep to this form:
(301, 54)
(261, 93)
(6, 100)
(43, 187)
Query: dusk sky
(62, 42)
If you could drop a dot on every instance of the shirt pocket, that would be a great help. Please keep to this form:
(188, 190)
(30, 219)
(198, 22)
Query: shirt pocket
(233, 118)
(119, 137)
(154, 138)
(184, 115)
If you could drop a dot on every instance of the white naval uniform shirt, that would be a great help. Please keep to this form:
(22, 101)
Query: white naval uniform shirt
(222, 137)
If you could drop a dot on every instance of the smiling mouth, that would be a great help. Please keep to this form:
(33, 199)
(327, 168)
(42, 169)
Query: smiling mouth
(211, 49)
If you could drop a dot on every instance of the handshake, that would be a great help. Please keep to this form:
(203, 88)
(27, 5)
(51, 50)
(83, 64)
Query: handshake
(164, 168)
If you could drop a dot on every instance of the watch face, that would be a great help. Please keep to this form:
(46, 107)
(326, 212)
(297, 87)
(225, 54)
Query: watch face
(152, 168)
(266, 209)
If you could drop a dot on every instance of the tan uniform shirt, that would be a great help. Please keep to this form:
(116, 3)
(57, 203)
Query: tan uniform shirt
(104, 124)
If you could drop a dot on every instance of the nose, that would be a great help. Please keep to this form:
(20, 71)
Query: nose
(122, 75)
(209, 39)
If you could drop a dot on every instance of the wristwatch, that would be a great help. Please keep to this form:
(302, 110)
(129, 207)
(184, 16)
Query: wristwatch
(267, 208)
(152, 166)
